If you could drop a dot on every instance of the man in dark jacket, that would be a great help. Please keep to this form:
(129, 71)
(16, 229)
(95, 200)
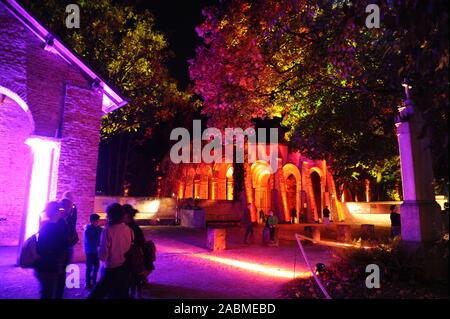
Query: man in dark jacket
(293, 215)
(91, 242)
(50, 268)
(395, 221)
(326, 215)
(70, 221)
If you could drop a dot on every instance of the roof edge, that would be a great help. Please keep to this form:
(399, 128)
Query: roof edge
(111, 99)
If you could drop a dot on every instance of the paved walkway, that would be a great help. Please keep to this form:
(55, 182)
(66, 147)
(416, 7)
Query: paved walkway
(186, 269)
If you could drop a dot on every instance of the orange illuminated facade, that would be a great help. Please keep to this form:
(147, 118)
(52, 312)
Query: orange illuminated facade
(299, 183)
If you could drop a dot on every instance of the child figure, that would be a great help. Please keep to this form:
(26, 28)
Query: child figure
(91, 242)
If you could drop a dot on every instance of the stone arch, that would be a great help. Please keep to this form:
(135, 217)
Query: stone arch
(189, 183)
(16, 160)
(19, 90)
(258, 169)
(204, 173)
(316, 192)
(261, 174)
(219, 181)
(318, 171)
(229, 175)
(20, 100)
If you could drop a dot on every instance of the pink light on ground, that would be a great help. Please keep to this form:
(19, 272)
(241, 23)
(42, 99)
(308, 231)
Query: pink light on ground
(43, 177)
(332, 243)
(271, 271)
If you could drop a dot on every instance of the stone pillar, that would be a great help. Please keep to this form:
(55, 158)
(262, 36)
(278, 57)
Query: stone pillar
(278, 194)
(214, 189)
(312, 232)
(221, 189)
(312, 216)
(420, 220)
(367, 231)
(344, 233)
(216, 239)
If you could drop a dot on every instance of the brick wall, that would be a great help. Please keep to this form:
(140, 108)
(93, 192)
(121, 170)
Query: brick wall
(47, 77)
(79, 150)
(12, 54)
(15, 159)
(62, 105)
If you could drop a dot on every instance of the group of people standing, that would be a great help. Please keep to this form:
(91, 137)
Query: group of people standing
(119, 246)
(270, 222)
(120, 235)
(326, 214)
(54, 245)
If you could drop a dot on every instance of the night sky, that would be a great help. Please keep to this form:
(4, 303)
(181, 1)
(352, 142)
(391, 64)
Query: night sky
(178, 19)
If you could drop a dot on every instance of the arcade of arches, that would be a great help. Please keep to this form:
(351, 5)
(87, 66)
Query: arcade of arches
(307, 187)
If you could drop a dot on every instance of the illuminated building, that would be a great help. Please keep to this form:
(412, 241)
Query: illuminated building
(51, 104)
(298, 182)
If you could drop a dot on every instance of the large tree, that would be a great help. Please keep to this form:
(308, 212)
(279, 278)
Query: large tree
(122, 44)
(335, 82)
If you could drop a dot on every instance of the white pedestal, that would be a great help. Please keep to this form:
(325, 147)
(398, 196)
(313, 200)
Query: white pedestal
(421, 221)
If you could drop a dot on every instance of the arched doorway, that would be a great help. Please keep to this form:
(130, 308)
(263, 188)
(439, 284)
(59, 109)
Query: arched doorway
(16, 159)
(291, 192)
(317, 190)
(262, 183)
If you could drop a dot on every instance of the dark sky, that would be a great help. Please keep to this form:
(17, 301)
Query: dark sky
(178, 19)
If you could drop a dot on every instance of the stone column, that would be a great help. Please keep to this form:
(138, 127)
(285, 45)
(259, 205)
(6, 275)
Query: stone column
(221, 189)
(214, 190)
(420, 220)
(278, 193)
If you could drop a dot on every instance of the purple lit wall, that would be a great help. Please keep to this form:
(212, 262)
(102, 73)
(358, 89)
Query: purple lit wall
(50, 120)
(43, 179)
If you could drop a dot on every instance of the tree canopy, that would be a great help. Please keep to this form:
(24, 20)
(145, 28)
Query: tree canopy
(122, 44)
(335, 83)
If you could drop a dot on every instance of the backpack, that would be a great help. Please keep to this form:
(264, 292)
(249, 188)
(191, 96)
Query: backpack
(150, 251)
(28, 253)
(135, 259)
(72, 238)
